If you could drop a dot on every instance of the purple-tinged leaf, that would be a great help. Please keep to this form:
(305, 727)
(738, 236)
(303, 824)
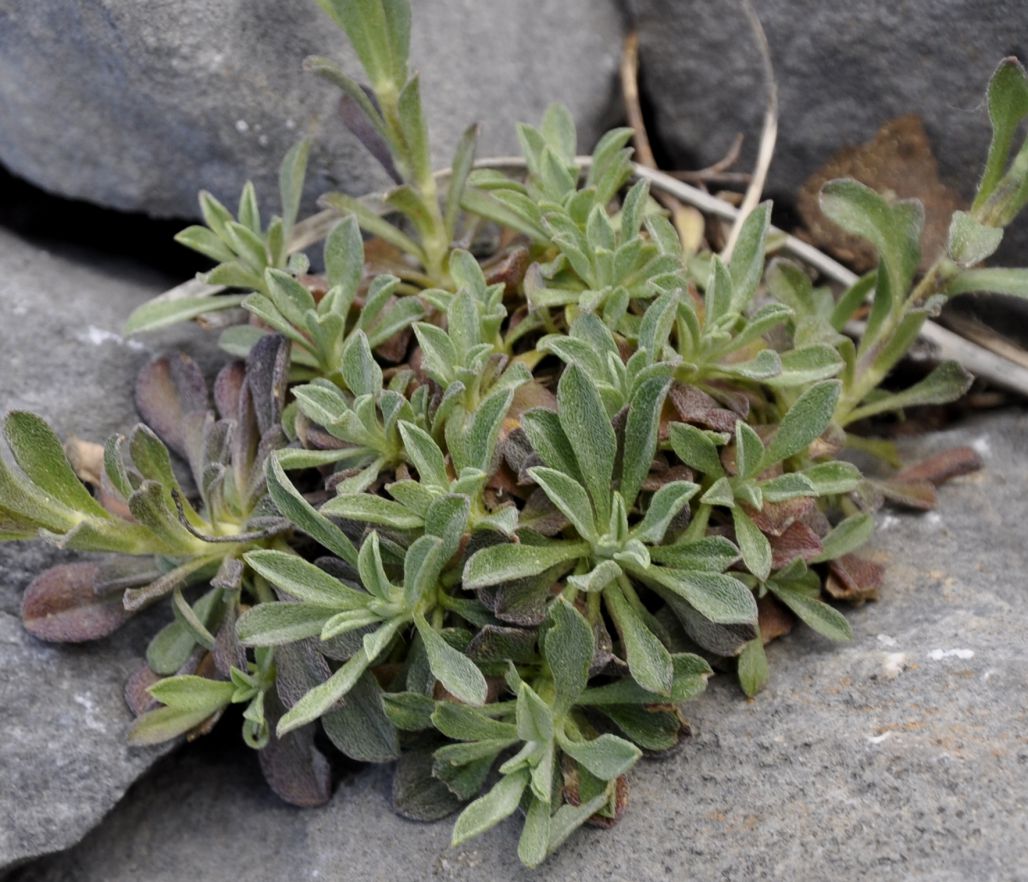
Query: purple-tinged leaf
(228, 386)
(267, 372)
(293, 766)
(62, 605)
(137, 696)
(417, 793)
(171, 397)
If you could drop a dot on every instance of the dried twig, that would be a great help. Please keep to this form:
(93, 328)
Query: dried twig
(947, 345)
(688, 221)
(768, 134)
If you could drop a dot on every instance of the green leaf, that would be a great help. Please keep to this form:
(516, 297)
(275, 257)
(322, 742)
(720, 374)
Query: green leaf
(749, 450)
(344, 256)
(606, 756)
(583, 417)
(817, 614)
(369, 509)
(205, 242)
(1008, 105)
(189, 701)
(747, 265)
(894, 229)
(696, 449)
(160, 313)
(549, 441)
(993, 280)
(322, 697)
(716, 596)
(458, 674)
(568, 647)
(278, 622)
(642, 429)
(505, 563)
(463, 158)
(292, 505)
(806, 421)
(846, 536)
(713, 554)
(40, 455)
(569, 497)
(360, 729)
(377, 226)
(832, 478)
(648, 659)
(462, 723)
(171, 647)
(970, 241)
(535, 834)
(302, 580)
(756, 550)
(753, 670)
(569, 818)
(291, 174)
(665, 505)
(946, 383)
(488, 810)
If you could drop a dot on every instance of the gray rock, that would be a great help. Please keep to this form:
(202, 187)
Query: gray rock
(63, 755)
(899, 756)
(154, 101)
(843, 69)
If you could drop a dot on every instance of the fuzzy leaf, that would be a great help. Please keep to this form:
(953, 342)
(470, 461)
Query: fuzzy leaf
(648, 658)
(583, 418)
(488, 810)
(568, 647)
(458, 674)
(804, 422)
(157, 314)
(753, 670)
(505, 563)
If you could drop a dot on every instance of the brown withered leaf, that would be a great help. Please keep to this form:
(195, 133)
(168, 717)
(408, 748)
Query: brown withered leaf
(62, 605)
(699, 409)
(776, 517)
(136, 695)
(86, 458)
(774, 619)
(918, 495)
(854, 578)
(509, 268)
(942, 466)
(899, 163)
(797, 542)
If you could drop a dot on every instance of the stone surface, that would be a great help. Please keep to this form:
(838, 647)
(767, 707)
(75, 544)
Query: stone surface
(900, 756)
(843, 69)
(154, 101)
(63, 757)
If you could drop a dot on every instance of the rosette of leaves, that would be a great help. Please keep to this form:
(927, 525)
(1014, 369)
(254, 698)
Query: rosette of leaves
(323, 329)
(141, 508)
(589, 261)
(551, 759)
(604, 555)
(243, 247)
(388, 119)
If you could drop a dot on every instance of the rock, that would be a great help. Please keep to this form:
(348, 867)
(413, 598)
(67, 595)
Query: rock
(154, 102)
(63, 755)
(900, 755)
(843, 69)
